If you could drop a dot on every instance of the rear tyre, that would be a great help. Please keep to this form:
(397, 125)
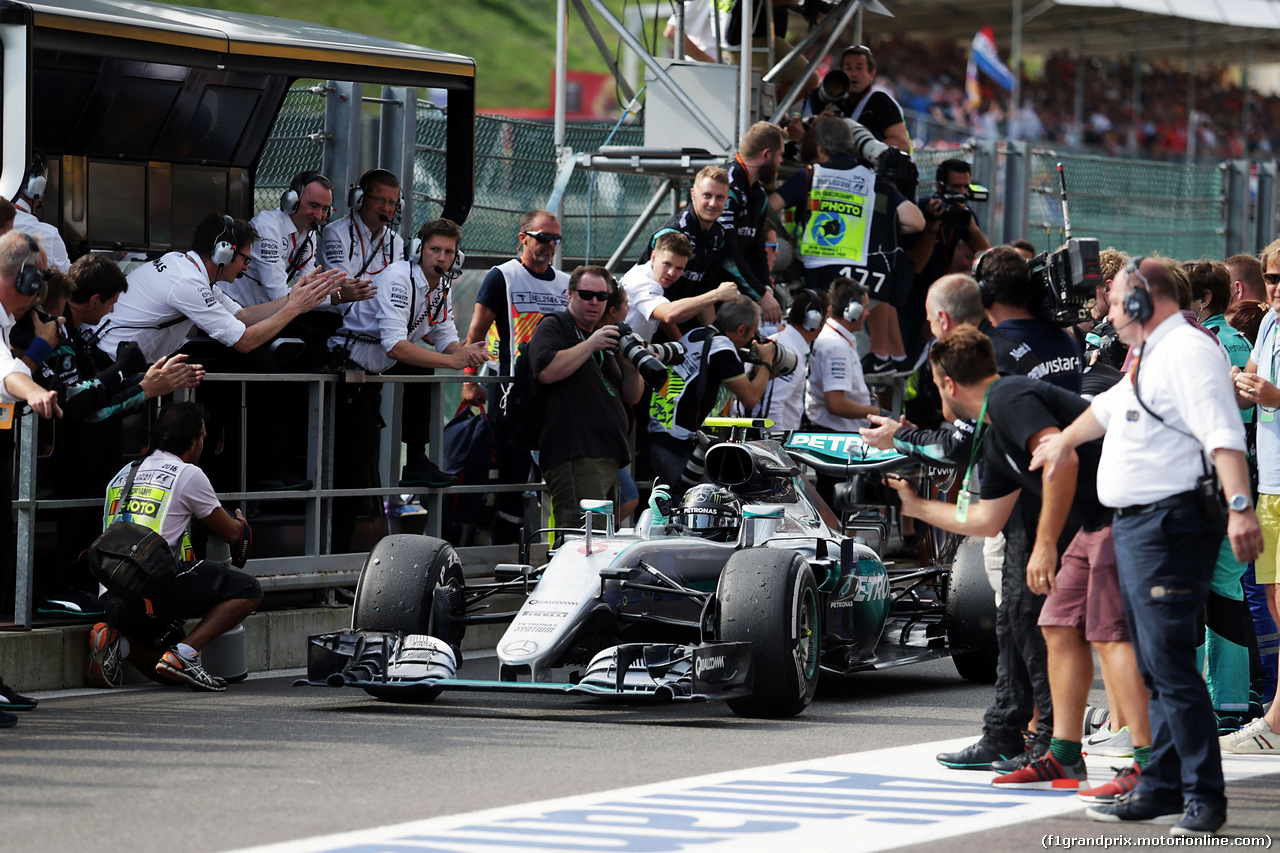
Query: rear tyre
(414, 585)
(769, 598)
(971, 614)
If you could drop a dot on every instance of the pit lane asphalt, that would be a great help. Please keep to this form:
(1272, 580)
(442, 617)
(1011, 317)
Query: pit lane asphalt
(164, 769)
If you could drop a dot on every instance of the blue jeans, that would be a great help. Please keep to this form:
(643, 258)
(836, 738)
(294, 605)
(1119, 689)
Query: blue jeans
(1166, 561)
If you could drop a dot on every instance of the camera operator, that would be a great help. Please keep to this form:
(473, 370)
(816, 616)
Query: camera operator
(583, 441)
(949, 221)
(1008, 295)
(851, 93)
(693, 387)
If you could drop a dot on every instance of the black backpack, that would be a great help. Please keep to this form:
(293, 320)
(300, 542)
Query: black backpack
(524, 404)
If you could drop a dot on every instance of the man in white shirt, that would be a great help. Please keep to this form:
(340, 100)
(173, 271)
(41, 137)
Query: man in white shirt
(168, 296)
(30, 197)
(783, 401)
(381, 335)
(1162, 424)
(646, 284)
(837, 397)
(364, 242)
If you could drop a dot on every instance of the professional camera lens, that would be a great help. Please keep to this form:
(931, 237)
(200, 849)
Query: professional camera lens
(632, 347)
(671, 353)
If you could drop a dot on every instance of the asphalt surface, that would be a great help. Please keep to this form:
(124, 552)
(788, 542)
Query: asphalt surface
(165, 769)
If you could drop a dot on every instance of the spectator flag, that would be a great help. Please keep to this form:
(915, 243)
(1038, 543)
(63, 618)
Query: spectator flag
(985, 57)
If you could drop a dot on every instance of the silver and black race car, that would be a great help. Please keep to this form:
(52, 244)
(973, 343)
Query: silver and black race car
(750, 590)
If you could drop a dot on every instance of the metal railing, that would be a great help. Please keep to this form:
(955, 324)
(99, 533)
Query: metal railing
(316, 567)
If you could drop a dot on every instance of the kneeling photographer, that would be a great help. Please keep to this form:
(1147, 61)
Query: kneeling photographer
(712, 367)
(586, 385)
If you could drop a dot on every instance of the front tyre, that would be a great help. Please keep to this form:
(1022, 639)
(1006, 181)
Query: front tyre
(769, 598)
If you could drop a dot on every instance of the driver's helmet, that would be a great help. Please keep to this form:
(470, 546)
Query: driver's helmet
(713, 512)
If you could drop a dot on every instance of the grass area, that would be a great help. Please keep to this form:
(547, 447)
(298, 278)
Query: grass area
(512, 41)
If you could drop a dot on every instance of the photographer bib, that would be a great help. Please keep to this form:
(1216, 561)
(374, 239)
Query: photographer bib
(837, 228)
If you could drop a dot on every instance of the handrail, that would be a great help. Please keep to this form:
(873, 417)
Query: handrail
(316, 567)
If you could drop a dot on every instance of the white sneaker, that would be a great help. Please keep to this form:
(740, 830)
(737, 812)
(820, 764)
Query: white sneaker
(1106, 742)
(1254, 739)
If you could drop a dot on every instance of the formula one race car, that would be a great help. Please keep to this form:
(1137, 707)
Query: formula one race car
(751, 590)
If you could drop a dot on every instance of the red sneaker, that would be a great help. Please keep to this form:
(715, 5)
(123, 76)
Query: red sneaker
(1045, 773)
(1126, 780)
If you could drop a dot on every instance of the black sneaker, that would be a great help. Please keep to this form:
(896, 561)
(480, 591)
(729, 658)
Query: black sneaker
(1034, 751)
(1132, 808)
(426, 473)
(873, 364)
(977, 756)
(7, 720)
(1199, 819)
(176, 669)
(11, 700)
(71, 603)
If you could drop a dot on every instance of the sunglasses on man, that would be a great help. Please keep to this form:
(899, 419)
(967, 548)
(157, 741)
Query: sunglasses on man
(543, 237)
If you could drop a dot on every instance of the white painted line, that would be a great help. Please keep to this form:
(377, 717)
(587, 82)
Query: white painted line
(864, 801)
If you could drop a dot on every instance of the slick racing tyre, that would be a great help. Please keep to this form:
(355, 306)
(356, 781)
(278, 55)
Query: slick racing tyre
(414, 585)
(971, 614)
(768, 598)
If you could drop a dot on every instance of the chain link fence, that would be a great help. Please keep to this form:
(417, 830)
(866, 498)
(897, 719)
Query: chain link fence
(1137, 206)
(516, 171)
(296, 144)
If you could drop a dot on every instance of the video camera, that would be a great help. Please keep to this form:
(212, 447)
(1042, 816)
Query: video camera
(1069, 279)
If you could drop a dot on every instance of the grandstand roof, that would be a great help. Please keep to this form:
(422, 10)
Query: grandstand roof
(1162, 28)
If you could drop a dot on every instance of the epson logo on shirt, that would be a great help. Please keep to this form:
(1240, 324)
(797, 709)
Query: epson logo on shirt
(269, 251)
(399, 296)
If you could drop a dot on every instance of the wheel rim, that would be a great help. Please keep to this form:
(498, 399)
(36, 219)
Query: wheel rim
(807, 639)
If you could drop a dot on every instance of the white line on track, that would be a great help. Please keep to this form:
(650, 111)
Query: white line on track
(864, 801)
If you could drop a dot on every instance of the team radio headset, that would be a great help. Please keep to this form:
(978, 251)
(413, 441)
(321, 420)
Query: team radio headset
(355, 202)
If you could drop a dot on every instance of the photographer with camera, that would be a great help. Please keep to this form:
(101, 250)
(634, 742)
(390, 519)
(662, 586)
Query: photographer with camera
(850, 92)
(587, 385)
(712, 362)
(949, 221)
(849, 219)
(783, 401)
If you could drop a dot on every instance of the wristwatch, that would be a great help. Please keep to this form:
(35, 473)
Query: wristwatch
(1239, 503)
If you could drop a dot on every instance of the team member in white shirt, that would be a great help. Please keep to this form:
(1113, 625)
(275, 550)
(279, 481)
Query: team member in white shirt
(413, 304)
(286, 246)
(1163, 425)
(646, 284)
(364, 242)
(30, 197)
(783, 400)
(169, 295)
(837, 397)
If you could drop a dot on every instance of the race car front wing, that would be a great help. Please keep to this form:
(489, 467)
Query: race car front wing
(414, 667)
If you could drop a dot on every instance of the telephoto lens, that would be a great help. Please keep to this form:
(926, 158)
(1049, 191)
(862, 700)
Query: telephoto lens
(669, 353)
(632, 347)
